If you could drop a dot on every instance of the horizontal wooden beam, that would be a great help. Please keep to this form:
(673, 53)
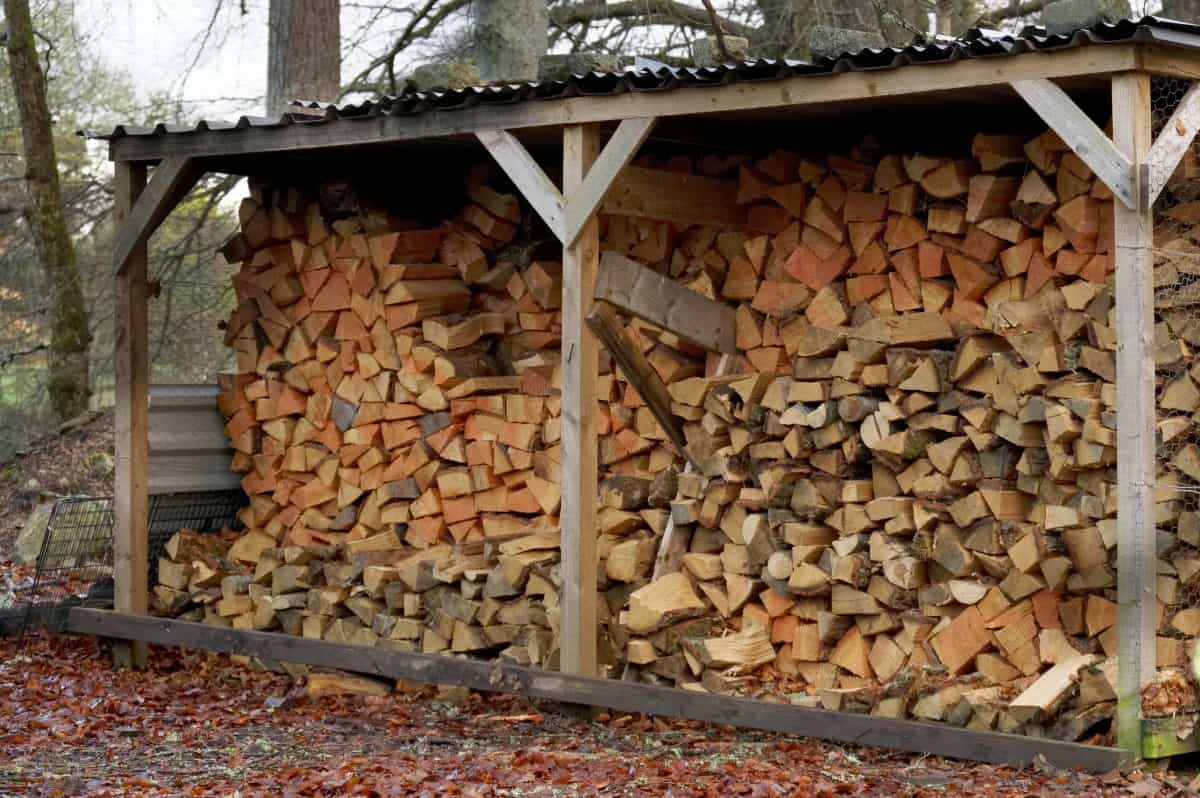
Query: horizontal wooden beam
(869, 88)
(685, 199)
(637, 370)
(661, 301)
(1082, 135)
(906, 735)
(170, 181)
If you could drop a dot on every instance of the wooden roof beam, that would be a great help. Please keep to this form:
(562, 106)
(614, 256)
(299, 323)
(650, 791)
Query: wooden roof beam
(868, 88)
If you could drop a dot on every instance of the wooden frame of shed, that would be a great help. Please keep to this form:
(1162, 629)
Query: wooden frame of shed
(1133, 166)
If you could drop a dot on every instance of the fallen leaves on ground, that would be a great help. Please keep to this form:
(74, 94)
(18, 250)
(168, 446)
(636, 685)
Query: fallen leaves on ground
(196, 724)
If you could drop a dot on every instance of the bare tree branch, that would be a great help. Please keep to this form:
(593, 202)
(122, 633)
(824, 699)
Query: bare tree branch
(1011, 11)
(718, 31)
(666, 11)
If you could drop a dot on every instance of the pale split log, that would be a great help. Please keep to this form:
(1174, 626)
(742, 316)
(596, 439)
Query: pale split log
(1173, 142)
(169, 182)
(1134, 233)
(650, 296)
(1081, 134)
(637, 370)
(620, 149)
(131, 411)
(537, 189)
(664, 564)
(580, 361)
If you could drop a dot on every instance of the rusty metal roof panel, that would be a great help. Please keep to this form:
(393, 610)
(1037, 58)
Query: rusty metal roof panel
(975, 44)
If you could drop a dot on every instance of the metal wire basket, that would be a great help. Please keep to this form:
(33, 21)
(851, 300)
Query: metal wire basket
(75, 564)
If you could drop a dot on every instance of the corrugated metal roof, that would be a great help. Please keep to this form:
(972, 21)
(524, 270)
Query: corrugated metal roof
(976, 43)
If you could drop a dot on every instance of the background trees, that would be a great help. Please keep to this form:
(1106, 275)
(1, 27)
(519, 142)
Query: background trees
(55, 252)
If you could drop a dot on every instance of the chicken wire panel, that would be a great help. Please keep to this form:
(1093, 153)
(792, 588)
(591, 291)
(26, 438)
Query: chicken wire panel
(1177, 385)
(75, 563)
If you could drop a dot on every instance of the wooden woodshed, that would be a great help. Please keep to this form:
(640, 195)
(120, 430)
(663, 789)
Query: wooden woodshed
(589, 129)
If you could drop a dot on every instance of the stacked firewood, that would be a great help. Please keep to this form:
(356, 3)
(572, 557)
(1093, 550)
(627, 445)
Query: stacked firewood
(907, 507)
(396, 412)
(900, 498)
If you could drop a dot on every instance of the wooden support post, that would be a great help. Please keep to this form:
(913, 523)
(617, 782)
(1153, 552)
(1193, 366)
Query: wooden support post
(1134, 236)
(581, 259)
(130, 503)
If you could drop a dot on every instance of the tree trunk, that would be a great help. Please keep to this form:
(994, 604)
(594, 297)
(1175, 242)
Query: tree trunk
(304, 57)
(1184, 10)
(510, 37)
(69, 334)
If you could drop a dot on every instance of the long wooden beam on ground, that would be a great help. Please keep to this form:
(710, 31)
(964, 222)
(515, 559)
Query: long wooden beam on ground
(131, 422)
(650, 296)
(867, 87)
(637, 370)
(906, 735)
(1136, 547)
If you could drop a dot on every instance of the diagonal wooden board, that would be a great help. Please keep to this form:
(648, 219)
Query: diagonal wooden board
(637, 370)
(665, 303)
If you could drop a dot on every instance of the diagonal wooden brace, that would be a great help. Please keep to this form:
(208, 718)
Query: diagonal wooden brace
(567, 216)
(1173, 142)
(1082, 135)
(1134, 188)
(169, 182)
(638, 371)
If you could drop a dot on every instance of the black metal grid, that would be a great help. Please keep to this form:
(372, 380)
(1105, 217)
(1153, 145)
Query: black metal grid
(75, 564)
(203, 511)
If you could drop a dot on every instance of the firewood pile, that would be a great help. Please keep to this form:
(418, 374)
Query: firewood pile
(396, 413)
(900, 500)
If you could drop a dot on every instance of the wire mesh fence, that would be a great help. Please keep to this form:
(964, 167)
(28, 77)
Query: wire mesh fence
(1177, 372)
(75, 563)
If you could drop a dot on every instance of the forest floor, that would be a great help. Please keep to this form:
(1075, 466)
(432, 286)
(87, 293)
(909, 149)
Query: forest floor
(196, 724)
(75, 462)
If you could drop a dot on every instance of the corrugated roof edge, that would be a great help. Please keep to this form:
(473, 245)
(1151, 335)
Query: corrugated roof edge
(975, 43)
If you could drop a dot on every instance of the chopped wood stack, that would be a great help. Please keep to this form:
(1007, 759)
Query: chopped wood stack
(903, 500)
(396, 413)
(906, 503)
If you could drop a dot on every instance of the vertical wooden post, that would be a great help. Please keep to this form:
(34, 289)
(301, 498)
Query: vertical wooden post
(1134, 237)
(577, 637)
(130, 502)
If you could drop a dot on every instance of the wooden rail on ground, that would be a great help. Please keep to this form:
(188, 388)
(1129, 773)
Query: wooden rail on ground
(906, 735)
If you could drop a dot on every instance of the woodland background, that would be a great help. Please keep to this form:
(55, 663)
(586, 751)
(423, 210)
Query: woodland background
(56, 302)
